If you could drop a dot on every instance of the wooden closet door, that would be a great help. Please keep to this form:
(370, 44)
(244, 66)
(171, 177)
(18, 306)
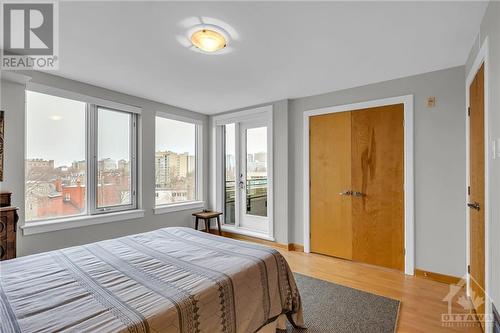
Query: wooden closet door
(477, 188)
(330, 175)
(378, 175)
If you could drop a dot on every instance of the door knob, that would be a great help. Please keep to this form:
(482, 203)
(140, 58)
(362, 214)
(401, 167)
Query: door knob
(357, 194)
(346, 193)
(474, 205)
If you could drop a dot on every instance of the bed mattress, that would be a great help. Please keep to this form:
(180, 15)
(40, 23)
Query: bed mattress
(168, 280)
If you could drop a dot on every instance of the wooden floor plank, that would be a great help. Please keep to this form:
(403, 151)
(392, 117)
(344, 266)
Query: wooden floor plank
(421, 299)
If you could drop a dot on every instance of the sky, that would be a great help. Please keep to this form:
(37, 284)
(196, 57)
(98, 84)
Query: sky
(176, 136)
(256, 139)
(113, 135)
(55, 128)
(56, 131)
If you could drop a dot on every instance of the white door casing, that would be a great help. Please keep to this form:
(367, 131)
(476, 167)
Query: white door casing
(407, 100)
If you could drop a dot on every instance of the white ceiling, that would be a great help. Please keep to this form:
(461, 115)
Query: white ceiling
(284, 49)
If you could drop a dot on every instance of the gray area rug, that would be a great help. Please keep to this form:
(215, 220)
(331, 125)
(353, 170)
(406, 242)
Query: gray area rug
(329, 307)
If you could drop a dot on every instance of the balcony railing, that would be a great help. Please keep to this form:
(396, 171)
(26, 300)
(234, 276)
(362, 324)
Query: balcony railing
(256, 198)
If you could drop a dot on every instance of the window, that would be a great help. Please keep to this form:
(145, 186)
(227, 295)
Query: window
(177, 162)
(80, 158)
(229, 174)
(114, 138)
(56, 165)
(256, 171)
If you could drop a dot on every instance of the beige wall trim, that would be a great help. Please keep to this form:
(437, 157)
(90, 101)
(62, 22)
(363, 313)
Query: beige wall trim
(250, 239)
(289, 247)
(296, 247)
(443, 278)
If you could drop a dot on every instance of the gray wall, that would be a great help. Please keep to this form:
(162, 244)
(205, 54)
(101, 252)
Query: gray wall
(439, 162)
(280, 171)
(490, 27)
(12, 101)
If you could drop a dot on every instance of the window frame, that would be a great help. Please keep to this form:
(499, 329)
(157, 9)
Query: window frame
(92, 155)
(92, 214)
(199, 195)
(47, 91)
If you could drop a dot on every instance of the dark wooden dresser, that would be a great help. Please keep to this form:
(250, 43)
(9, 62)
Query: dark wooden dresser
(8, 226)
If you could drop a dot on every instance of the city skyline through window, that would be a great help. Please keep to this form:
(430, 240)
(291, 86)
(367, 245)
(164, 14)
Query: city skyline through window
(57, 171)
(230, 173)
(256, 171)
(251, 173)
(175, 161)
(113, 155)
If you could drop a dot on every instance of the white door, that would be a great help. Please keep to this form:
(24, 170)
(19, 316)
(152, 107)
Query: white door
(253, 182)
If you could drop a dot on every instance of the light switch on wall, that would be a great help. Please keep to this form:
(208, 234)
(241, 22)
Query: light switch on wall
(431, 101)
(495, 146)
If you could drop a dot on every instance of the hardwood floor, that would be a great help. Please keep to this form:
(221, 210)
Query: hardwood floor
(421, 299)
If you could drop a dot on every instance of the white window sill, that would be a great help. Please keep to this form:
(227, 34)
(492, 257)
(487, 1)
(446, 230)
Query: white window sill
(178, 207)
(32, 228)
(246, 232)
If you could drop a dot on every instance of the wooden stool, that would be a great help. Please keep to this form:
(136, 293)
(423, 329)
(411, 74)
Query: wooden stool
(206, 216)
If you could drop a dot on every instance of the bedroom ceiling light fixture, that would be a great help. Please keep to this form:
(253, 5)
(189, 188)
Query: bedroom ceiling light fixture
(208, 40)
(207, 36)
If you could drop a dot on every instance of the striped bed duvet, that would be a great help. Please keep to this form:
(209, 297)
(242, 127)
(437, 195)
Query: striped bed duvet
(168, 280)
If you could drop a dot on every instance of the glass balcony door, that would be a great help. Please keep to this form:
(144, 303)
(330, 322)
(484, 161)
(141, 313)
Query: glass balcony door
(253, 176)
(247, 175)
(231, 173)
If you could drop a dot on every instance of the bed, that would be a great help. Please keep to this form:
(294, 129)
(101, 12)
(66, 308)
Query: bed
(168, 280)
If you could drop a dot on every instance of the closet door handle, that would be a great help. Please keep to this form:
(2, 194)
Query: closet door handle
(346, 193)
(474, 205)
(357, 194)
